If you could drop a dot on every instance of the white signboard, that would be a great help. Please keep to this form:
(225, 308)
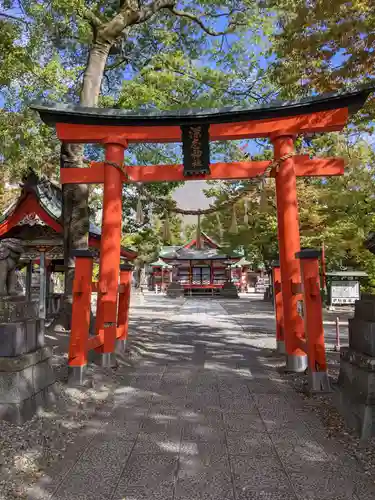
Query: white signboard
(344, 292)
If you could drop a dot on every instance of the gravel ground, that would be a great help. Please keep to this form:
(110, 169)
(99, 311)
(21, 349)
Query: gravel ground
(27, 451)
(261, 331)
(336, 430)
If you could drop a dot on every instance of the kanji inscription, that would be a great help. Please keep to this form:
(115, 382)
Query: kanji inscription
(196, 149)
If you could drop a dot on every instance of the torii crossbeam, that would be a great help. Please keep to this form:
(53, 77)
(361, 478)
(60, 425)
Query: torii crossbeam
(304, 167)
(281, 122)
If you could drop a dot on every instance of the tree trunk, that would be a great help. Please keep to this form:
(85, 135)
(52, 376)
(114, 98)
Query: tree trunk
(75, 196)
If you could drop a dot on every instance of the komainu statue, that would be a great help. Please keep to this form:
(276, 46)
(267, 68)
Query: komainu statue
(10, 254)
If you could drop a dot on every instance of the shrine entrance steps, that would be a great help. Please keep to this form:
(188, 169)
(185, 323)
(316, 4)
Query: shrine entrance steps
(201, 413)
(202, 292)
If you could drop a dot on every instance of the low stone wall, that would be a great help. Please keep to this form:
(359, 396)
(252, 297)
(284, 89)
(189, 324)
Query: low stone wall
(26, 374)
(175, 290)
(229, 291)
(357, 370)
(26, 384)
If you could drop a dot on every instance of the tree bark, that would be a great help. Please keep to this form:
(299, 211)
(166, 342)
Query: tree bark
(75, 210)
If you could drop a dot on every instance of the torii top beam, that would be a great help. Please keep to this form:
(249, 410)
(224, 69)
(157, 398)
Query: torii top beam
(324, 113)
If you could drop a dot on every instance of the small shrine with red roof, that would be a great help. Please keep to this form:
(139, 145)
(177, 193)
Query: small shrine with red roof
(35, 217)
(200, 266)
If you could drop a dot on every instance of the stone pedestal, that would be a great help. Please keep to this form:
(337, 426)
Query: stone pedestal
(26, 375)
(175, 290)
(229, 291)
(357, 370)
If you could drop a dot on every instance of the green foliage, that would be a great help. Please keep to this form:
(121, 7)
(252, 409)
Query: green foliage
(167, 60)
(323, 45)
(148, 240)
(336, 211)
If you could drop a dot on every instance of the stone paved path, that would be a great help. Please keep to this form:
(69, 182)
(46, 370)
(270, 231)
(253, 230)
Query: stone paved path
(204, 416)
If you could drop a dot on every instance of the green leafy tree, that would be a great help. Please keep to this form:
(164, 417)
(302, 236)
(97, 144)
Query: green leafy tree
(130, 53)
(336, 211)
(323, 45)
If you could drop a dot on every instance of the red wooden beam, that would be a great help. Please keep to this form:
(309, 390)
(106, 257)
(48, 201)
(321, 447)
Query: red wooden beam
(304, 166)
(28, 206)
(321, 121)
(97, 340)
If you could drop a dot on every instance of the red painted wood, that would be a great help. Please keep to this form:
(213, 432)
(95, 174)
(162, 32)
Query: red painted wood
(278, 299)
(289, 243)
(304, 167)
(110, 246)
(322, 121)
(211, 285)
(204, 238)
(92, 175)
(27, 206)
(123, 304)
(96, 341)
(313, 315)
(78, 345)
(95, 243)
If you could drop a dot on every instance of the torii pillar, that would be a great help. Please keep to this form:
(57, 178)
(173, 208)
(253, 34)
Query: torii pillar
(110, 246)
(289, 245)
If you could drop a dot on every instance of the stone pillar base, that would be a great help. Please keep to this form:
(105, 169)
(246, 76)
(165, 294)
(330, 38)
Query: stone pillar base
(356, 398)
(26, 385)
(296, 364)
(229, 291)
(175, 290)
(107, 360)
(77, 375)
(319, 382)
(121, 346)
(280, 347)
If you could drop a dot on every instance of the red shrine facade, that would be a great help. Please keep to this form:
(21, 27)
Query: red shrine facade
(35, 217)
(200, 268)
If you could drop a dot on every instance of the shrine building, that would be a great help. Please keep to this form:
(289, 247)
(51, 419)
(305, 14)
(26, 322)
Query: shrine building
(35, 217)
(200, 267)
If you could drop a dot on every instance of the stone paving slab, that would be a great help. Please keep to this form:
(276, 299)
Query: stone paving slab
(205, 417)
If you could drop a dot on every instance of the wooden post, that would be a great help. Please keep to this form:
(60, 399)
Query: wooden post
(289, 245)
(110, 246)
(42, 293)
(123, 306)
(324, 274)
(278, 304)
(29, 275)
(80, 315)
(313, 317)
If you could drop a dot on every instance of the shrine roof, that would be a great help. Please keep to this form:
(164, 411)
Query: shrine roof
(49, 198)
(160, 263)
(353, 273)
(242, 262)
(197, 254)
(165, 251)
(52, 113)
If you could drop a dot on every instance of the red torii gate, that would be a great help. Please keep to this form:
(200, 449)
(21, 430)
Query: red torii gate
(280, 122)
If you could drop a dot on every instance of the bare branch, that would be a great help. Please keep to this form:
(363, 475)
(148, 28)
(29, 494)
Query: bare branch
(224, 14)
(13, 18)
(198, 20)
(117, 64)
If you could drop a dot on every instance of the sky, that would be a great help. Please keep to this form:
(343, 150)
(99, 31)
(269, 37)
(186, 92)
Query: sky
(190, 196)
